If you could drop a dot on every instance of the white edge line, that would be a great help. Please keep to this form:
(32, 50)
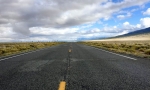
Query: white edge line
(22, 54)
(115, 53)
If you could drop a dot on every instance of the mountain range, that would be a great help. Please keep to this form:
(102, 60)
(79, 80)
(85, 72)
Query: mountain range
(138, 32)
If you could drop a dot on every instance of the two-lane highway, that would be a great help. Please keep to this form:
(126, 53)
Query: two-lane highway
(75, 66)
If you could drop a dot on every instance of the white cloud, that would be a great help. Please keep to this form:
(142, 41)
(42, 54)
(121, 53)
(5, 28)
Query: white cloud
(123, 32)
(147, 12)
(124, 16)
(126, 24)
(145, 22)
(139, 26)
(121, 16)
(130, 27)
(127, 27)
(6, 32)
(53, 34)
(52, 31)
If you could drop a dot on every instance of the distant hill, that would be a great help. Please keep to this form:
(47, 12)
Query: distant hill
(138, 32)
(139, 35)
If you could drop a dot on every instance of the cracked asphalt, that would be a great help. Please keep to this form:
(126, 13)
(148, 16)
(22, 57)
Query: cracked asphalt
(81, 67)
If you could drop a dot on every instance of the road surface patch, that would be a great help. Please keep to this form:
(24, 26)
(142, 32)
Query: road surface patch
(35, 65)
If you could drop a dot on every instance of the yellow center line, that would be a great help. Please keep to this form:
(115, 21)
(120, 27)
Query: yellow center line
(62, 85)
(69, 50)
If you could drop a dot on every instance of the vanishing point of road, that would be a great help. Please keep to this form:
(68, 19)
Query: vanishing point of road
(73, 66)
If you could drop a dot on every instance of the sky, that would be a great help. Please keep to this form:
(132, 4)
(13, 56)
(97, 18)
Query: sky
(70, 20)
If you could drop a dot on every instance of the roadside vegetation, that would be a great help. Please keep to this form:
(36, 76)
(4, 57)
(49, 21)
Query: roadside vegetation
(14, 48)
(138, 48)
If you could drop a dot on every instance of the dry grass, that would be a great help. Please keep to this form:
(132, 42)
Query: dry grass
(138, 48)
(13, 48)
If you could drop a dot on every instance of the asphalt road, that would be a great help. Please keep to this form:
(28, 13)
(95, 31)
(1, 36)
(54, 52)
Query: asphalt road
(81, 67)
